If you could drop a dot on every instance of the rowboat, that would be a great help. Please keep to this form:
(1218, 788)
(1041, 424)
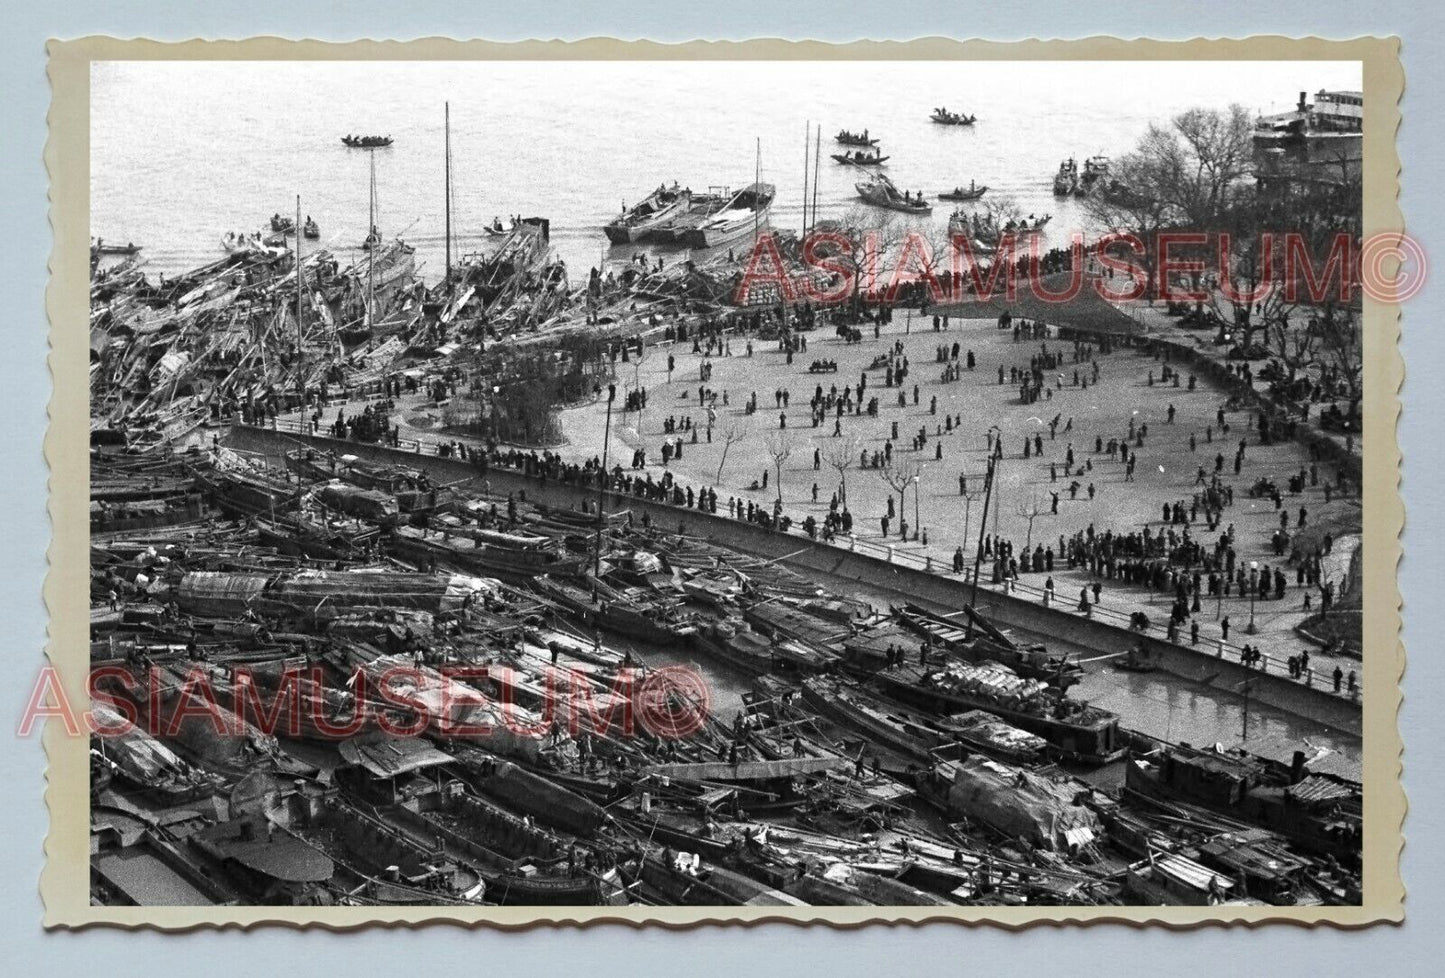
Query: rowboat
(366, 142)
(973, 192)
(101, 248)
(880, 192)
(855, 138)
(858, 158)
(946, 118)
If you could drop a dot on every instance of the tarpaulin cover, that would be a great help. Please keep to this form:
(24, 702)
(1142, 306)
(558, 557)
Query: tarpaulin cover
(1020, 803)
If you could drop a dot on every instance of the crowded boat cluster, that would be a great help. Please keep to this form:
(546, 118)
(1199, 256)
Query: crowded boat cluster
(333, 680)
(350, 684)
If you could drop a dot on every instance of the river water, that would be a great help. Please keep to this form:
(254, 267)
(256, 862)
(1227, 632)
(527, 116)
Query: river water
(182, 152)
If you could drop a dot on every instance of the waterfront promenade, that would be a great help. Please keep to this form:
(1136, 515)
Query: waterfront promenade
(1177, 431)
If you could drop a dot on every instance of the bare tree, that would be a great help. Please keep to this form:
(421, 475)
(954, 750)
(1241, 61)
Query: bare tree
(872, 236)
(898, 474)
(1184, 175)
(841, 454)
(731, 434)
(1029, 511)
(780, 447)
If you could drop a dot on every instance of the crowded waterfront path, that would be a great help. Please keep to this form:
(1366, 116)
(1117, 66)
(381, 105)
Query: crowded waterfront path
(1167, 471)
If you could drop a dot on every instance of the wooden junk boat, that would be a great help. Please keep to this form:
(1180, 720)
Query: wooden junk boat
(918, 736)
(744, 211)
(366, 142)
(510, 556)
(985, 643)
(1317, 812)
(636, 223)
(1074, 729)
(699, 208)
(880, 192)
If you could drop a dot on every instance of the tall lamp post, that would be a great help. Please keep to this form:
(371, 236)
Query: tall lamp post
(1253, 588)
(602, 479)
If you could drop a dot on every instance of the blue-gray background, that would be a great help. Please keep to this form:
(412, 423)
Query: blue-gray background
(1412, 949)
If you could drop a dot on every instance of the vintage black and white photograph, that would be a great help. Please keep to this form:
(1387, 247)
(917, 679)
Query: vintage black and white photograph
(786, 484)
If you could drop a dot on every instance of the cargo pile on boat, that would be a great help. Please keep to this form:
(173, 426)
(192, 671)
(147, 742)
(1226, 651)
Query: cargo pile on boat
(330, 681)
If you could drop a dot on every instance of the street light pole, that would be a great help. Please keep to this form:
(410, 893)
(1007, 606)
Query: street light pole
(1253, 587)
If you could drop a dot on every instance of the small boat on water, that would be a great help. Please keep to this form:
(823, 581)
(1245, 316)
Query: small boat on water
(1066, 181)
(986, 231)
(946, 118)
(284, 225)
(855, 138)
(880, 192)
(637, 222)
(860, 158)
(101, 248)
(744, 211)
(234, 243)
(1096, 168)
(310, 230)
(366, 142)
(373, 240)
(974, 192)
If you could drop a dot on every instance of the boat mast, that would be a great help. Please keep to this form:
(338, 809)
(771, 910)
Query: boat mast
(817, 159)
(449, 193)
(807, 131)
(300, 374)
(982, 530)
(375, 241)
(300, 357)
(757, 179)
